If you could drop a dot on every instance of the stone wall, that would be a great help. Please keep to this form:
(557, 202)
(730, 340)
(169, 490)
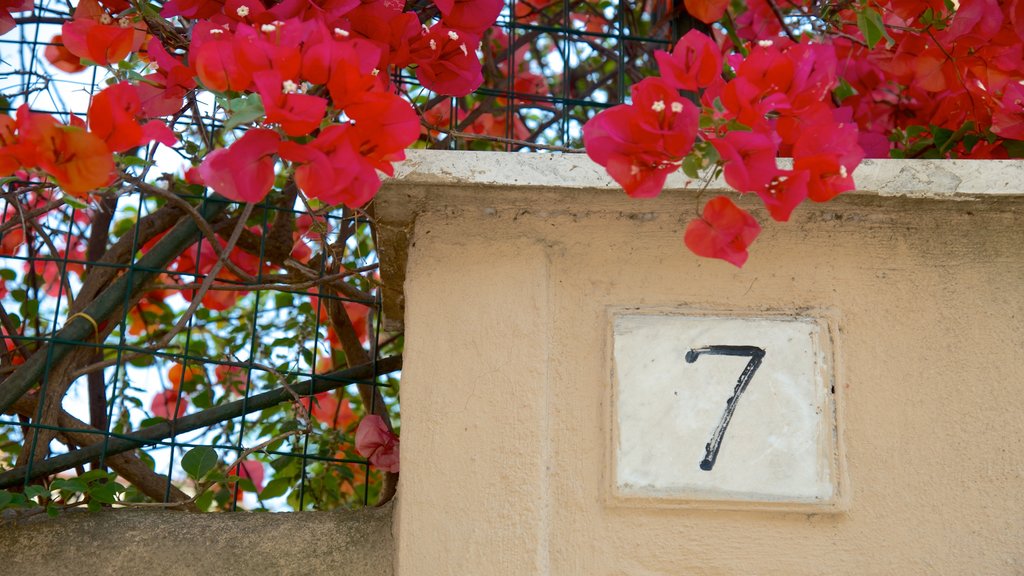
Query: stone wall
(169, 543)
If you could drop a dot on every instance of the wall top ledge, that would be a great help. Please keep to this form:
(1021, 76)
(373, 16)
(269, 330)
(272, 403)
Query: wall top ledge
(926, 179)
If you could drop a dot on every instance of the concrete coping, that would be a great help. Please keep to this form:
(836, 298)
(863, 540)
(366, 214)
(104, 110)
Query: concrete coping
(931, 179)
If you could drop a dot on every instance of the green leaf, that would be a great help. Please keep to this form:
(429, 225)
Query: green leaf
(52, 510)
(244, 110)
(1015, 148)
(106, 492)
(6, 498)
(7, 274)
(205, 500)
(35, 490)
(75, 203)
(872, 27)
(198, 461)
(691, 166)
(844, 90)
(93, 475)
(30, 308)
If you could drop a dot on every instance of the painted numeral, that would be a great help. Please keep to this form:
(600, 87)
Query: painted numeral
(756, 356)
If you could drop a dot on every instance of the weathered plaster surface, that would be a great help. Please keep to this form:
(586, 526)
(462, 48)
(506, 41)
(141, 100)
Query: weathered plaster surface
(512, 268)
(912, 178)
(176, 543)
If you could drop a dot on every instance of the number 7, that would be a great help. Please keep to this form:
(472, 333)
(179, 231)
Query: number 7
(756, 356)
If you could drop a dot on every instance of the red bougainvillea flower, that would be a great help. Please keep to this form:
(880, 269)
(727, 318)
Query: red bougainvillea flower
(344, 64)
(446, 61)
(164, 402)
(161, 93)
(244, 171)
(1008, 121)
(9, 161)
(62, 58)
(326, 167)
(707, 11)
(385, 125)
(297, 114)
(96, 36)
(113, 116)
(185, 377)
(469, 15)
(377, 444)
(216, 57)
(330, 410)
(144, 316)
(694, 63)
(233, 379)
(724, 231)
(7, 7)
(249, 469)
(79, 161)
(272, 46)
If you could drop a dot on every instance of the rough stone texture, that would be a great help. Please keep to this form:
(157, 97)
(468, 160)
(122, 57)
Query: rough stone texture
(177, 543)
(512, 269)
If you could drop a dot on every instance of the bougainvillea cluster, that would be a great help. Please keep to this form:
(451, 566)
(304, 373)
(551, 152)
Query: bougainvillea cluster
(904, 78)
(781, 98)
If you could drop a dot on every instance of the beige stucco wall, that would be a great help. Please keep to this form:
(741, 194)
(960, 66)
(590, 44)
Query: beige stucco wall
(512, 264)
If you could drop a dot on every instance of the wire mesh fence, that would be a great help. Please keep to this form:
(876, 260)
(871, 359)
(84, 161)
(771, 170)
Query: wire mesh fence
(168, 347)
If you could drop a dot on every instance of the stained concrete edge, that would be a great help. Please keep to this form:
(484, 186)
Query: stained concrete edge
(132, 541)
(954, 179)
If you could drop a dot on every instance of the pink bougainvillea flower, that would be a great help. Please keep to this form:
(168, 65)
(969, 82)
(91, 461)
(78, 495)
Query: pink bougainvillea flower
(707, 11)
(234, 379)
(7, 7)
(113, 116)
(784, 193)
(641, 144)
(326, 167)
(164, 402)
(615, 140)
(469, 15)
(95, 36)
(446, 61)
(297, 114)
(669, 120)
(162, 92)
(695, 62)
(377, 444)
(250, 469)
(244, 171)
(724, 231)
(749, 159)
(1008, 120)
(195, 9)
(830, 153)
